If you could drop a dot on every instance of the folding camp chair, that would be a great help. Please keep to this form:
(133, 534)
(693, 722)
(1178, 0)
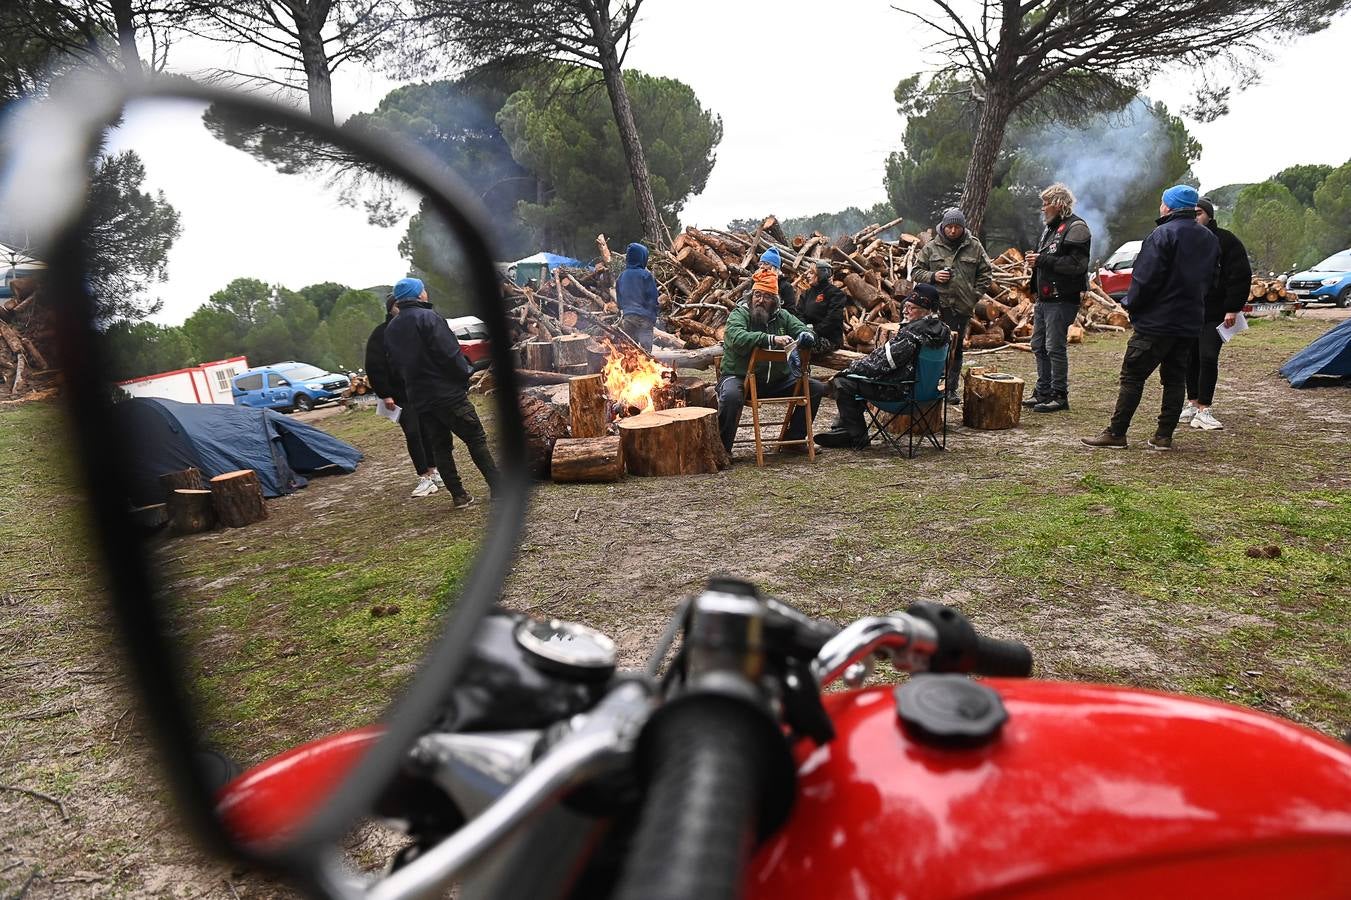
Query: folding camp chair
(801, 396)
(926, 415)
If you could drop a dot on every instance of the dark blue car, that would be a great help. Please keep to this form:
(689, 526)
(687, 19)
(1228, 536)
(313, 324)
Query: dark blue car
(287, 386)
(1329, 281)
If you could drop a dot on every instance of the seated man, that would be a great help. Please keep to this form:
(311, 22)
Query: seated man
(759, 322)
(822, 307)
(879, 375)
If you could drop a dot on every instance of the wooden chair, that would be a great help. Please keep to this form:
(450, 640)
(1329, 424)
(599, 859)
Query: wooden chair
(801, 396)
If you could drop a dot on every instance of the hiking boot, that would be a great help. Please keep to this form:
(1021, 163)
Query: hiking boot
(953, 398)
(1161, 442)
(460, 501)
(1206, 421)
(425, 487)
(1055, 404)
(1034, 400)
(1188, 413)
(1107, 439)
(839, 438)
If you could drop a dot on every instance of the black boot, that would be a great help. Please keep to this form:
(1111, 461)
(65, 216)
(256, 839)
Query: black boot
(953, 398)
(1055, 404)
(842, 438)
(1033, 401)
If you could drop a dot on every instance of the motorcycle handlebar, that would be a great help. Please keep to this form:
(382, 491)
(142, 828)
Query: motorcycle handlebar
(1002, 658)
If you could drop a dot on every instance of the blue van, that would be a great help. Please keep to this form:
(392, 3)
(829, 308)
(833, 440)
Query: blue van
(1327, 282)
(286, 386)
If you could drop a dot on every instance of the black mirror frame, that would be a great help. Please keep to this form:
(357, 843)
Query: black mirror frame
(307, 854)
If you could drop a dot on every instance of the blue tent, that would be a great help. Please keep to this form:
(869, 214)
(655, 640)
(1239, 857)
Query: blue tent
(167, 436)
(1329, 354)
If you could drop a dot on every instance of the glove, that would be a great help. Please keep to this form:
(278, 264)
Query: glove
(794, 364)
(806, 340)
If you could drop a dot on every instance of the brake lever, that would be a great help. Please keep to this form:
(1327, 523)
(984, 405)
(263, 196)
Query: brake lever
(602, 743)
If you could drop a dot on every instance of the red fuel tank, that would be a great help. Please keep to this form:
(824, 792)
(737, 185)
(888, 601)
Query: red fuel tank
(1088, 791)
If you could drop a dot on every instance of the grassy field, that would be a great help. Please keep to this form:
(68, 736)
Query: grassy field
(1129, 567)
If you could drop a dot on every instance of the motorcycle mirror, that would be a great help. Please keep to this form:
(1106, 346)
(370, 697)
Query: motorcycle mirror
(291, 587)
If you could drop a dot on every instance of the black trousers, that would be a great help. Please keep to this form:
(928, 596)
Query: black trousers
(457, 418)
(732, 400)
(958, 323)
(1203, 365)
(416, 436)
(1144, 354)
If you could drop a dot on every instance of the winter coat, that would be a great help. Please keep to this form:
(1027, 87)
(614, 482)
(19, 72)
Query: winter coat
(1175, 269)
(738, 340)
(895, 360)
(1061, 273)
(822, 307)
(385, 381)
(425, 353)
(636, 291)
(1231, 289)
(971, 271)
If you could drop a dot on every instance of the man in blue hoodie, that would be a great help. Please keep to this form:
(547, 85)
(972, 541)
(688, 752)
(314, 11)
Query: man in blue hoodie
(1177, 266)
(636, 292)
(427, 356)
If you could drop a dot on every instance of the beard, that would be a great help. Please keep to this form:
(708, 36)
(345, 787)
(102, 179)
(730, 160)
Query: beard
(759, 317)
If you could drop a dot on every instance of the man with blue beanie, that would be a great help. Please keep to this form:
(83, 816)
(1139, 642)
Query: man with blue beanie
(772, 263)
(427, 356)
(636, 293)
(1176, 268)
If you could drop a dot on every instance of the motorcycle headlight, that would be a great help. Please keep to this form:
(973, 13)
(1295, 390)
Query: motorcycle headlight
(1327, 281)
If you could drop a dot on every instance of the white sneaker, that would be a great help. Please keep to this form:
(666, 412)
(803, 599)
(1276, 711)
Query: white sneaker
(1205, 420)
(1188, 413)
(425, 487)
(436, 476)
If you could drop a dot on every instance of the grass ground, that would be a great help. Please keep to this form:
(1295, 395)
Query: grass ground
(1122, 566)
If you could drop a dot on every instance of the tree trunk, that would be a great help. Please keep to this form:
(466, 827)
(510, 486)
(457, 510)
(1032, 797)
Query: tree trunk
(597, 459)
(126, 37)
(319, 86)
(628, 136)
(238, 498)
(994, 120)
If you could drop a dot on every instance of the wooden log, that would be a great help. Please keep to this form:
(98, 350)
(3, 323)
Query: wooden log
(238, 498)
(682, 441)
(544, 425)
(592, 459)
(603, 246)
(191, 510)
(985, 341)
(691, 359)
(588, 405)
(1075, 335)
(860, 289)
(695, 391)
(187, 479)
(570, 350)
(150, 519)
(930, 419)
(993, 401)
(539, 356)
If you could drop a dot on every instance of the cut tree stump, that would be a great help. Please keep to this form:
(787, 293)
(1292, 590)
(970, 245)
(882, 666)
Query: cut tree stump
(544, 425)
(588, 404)
(570, 350)
(187, 479)
(682, 441)
(993, 401)
(592, 459)
(191, 510)
(150, 519)
(539, 356)
(238, 498)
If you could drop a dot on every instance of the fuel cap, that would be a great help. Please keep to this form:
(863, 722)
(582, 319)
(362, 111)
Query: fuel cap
(950, 711)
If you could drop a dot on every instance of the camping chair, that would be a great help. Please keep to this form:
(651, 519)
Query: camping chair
(922, 405)
(801, 396)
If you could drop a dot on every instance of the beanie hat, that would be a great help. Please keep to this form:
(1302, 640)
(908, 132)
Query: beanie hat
(408, 289)
(1180, 196)
(766, 282)
(771, 256)
(1206, 206)
(953, 216)
(924, 296)
(823, 265)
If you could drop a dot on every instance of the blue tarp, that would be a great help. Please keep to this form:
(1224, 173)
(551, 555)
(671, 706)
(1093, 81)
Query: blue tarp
(167, 436)
(1329, 354)
(552, 260)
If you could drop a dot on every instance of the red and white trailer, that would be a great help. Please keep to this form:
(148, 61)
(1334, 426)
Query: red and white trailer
(207, 383)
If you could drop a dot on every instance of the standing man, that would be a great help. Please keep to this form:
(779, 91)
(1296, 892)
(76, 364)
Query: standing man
(388, 386)
(1166, 302)
(1224, 301)
(636, 294)
(427, 356)
(956, 264)
(1059, 278)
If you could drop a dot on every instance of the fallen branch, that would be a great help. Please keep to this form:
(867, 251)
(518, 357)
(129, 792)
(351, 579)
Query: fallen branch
(38, 795)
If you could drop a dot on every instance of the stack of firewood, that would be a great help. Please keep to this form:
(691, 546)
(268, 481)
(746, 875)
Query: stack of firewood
(1267, 290)
(27, 367)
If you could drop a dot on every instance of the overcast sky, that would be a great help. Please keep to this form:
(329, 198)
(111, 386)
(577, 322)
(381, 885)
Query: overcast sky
(806, 102)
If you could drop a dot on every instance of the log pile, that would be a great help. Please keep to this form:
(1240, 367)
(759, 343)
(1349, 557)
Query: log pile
(27, 351)
(1268, 290)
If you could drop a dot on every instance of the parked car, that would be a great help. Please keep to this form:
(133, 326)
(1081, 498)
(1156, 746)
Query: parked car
(1329, 281)
(1115, 274)
(287, 386)
(473, 337)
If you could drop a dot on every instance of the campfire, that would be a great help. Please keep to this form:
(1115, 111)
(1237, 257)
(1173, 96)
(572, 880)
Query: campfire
(636, 383)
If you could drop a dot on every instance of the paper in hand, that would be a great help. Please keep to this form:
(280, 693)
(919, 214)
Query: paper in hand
(1227, 332)
(391, 414)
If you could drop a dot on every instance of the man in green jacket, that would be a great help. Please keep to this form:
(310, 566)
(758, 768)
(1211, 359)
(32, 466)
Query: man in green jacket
(761, 322)
(955, 263)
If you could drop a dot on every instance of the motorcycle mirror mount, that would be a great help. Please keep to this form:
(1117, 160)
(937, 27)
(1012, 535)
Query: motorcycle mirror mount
(47, 148)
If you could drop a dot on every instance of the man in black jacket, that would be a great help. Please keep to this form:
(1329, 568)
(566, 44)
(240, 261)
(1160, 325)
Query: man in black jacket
(822, 307)
(427, 356)
(388, 387)
(1059, 279)
(1224, 302)
(1174, 271)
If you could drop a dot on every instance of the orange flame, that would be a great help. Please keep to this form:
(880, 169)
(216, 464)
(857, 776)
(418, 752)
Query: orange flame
(632, 379)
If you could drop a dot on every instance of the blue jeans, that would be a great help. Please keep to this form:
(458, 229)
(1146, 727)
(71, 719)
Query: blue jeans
(1051, 323)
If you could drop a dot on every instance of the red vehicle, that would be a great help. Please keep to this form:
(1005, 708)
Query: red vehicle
(473, 337)
(1115, 274)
